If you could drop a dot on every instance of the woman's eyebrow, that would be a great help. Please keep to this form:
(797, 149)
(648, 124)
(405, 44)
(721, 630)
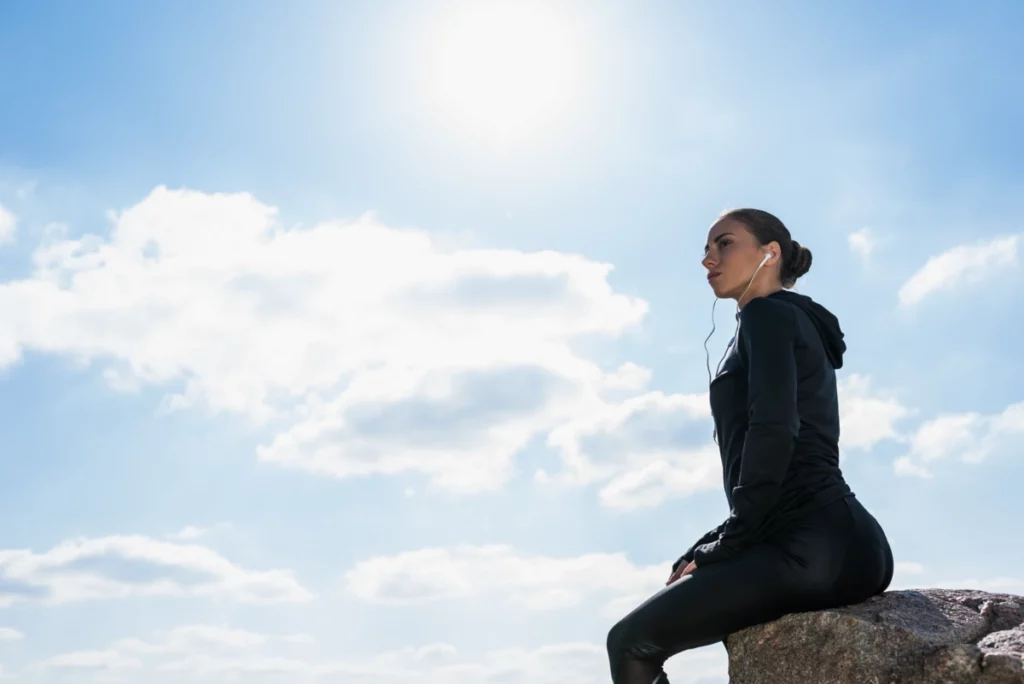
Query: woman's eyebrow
(717, 238)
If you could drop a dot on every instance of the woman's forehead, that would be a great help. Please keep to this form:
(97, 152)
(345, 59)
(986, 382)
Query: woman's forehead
(726, 227)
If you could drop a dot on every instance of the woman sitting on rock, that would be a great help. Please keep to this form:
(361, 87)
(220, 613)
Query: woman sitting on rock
(796, 539)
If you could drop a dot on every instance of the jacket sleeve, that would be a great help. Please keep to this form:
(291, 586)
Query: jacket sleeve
(708, 536)
(767, 340)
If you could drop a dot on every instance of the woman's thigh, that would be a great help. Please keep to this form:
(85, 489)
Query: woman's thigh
(798, 569)
(704, 607)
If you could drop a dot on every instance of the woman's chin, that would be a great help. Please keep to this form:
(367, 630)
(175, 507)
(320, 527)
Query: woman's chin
(720, 292)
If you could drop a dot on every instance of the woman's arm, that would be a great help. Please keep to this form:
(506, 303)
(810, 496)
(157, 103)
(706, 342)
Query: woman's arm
(688, 556)
(767, 334)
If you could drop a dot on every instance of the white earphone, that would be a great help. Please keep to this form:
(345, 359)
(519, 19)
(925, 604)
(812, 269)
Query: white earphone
(767, 255)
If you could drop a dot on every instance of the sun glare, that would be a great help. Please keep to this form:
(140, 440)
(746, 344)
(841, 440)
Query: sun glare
(505, 70)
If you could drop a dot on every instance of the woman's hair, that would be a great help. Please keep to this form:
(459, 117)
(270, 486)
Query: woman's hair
(796, 259)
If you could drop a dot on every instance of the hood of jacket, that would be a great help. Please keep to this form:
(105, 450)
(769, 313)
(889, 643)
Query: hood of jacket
(824, 321)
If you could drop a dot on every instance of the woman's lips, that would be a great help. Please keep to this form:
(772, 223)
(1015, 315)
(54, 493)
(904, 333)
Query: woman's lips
(713, 275)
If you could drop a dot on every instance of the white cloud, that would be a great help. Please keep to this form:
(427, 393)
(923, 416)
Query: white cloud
(533, 582)
(862, 241)
(126, 566)
(108, 660)
(605, 436)
(907, 575)
(438, 663)
(970, 437)
(867, 416)
(383, 351)
(9, 634)
(911, 575)
(8, 225)
(648, 448)
(576, 662)
(188, 638)
(1005, 584)
(215, 666)
(629, 377)
(187, 533)
(198, 650)
(909, 567)
(960, 265)
(649, 485)
(191, 532)
(376, 350)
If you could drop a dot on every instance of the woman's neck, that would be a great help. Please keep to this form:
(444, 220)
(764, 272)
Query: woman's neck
(755, 291)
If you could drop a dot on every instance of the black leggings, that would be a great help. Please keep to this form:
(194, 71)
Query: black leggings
(835, 556)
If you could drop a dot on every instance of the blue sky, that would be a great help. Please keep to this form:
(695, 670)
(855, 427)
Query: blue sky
(307, 372)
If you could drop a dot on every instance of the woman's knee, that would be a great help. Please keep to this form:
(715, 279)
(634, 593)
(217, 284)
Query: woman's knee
(625, 644)
(625, 655)
(619, 638)
(617, 646)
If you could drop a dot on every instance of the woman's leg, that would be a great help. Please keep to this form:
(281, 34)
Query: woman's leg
(700, 609)
(807, 566)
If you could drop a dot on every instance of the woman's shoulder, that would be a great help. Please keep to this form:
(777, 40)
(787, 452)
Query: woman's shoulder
(767, 313)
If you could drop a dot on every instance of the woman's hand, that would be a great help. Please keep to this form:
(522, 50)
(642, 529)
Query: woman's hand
(681, 572)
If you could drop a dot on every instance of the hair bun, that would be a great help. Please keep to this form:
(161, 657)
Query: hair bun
(800, 261)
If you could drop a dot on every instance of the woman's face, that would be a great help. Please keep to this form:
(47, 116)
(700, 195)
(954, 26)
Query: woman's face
(731, 256)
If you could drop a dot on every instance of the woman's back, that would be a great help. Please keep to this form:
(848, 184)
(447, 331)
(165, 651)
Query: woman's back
(776, 412)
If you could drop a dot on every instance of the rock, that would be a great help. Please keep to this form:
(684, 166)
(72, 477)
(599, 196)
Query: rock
(927, 636)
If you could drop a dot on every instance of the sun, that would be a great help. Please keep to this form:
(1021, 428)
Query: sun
(505, 70)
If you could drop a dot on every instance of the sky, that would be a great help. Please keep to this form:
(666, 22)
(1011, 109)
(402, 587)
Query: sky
(352, 341)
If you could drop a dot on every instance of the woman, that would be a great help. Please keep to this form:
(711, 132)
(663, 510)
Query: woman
(796, 538)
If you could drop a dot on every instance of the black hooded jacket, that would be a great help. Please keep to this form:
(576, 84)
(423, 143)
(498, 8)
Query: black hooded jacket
(776, 414)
